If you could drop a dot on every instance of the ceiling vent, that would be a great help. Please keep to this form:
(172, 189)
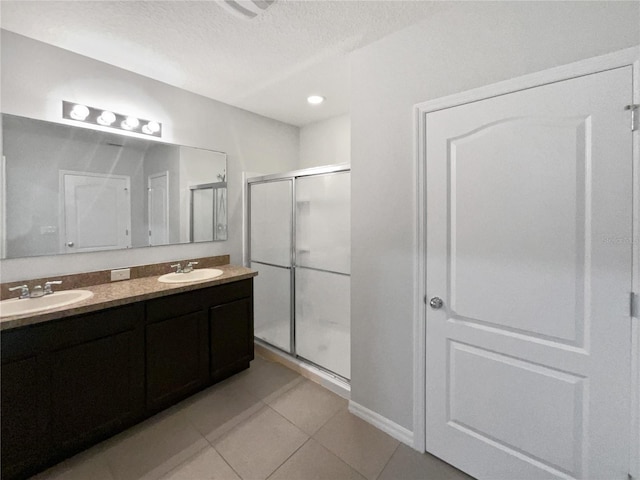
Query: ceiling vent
(246, 9)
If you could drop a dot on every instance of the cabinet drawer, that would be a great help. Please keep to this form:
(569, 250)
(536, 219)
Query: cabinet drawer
(26, 341)
(175, 305)
(228, 292)
(190, 302)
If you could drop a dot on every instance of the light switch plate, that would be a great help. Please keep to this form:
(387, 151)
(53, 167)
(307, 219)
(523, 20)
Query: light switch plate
(120, 274)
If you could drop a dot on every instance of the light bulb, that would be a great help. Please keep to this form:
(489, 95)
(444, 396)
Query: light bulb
(130, 123)
(79, 112)
(106, 118)
(151, 128)
(315, 99)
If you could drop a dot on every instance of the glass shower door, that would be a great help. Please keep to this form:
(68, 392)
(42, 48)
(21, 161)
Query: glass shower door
(322, 273)
(270, 254)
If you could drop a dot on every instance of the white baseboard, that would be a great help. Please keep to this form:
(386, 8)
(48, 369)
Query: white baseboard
(396, 431)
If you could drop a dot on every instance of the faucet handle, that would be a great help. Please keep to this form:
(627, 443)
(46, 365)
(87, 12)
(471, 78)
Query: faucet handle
(47, 286)
(189, 267)
(178, 267)
(24, 290)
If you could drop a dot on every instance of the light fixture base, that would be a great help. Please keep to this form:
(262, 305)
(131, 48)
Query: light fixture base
(108, 119)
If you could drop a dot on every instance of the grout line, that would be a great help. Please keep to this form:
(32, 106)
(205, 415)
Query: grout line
(289, 421)
(225, 461)
(328, 420)
(388, 460)
(163, 475)
(287, 459)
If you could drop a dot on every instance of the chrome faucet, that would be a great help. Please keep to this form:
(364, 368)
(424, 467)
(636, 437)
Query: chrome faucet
(189, 267)
(178, 267)
(24, 291)
(37, 291)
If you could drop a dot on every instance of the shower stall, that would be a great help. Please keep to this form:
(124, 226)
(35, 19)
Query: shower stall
(299, 242)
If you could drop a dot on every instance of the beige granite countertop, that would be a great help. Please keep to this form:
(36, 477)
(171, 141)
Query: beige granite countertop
(124, 292)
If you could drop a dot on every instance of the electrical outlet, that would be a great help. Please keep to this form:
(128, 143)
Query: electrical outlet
(120, 274)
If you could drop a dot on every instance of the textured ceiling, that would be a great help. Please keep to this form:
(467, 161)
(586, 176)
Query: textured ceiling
(267, 65)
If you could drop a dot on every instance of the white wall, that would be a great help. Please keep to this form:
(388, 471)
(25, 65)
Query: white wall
(326, 143)
(466, 45)
(36, 77)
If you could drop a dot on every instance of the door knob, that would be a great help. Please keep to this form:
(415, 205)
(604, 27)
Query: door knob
(70, 244)
(436, 303)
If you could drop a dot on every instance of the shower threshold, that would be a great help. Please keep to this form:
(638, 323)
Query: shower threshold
(335, 383)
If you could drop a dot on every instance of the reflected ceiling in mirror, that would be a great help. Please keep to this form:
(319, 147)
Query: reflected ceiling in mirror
(67, 189)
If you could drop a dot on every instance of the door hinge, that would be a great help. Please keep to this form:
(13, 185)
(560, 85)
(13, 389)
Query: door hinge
(634, 305)
(635, 120)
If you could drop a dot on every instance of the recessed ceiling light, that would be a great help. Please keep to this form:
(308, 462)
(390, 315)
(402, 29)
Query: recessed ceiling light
(315, 99)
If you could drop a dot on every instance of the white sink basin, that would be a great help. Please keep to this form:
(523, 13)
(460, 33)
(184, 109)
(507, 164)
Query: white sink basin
(23, 306)
(197, 275)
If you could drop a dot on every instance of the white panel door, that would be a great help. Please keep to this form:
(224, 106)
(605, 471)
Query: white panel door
(528, 205)
(158, 190)
(97, 212)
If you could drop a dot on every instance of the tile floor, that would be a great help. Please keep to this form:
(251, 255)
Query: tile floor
(267, 422)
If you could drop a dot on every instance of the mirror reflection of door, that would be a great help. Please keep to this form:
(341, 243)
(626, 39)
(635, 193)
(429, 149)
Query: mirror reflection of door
(96, 212)
(158, 191)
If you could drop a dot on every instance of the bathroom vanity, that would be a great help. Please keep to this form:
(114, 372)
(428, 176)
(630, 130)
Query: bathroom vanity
(76, 376)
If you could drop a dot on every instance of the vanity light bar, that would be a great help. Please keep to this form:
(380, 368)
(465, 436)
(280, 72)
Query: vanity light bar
(106, 118)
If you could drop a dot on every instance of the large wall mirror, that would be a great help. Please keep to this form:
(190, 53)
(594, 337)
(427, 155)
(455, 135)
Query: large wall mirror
(66, 189)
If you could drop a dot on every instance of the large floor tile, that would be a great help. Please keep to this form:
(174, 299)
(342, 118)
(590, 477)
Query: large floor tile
(358, 443)
(154, 447)
(407, 464)
(204, 465)
(217, 410)
(308, 406)
(265, 378)
(314, 462)
(258, 446)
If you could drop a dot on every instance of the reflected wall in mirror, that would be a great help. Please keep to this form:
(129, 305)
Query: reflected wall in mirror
(68, 189)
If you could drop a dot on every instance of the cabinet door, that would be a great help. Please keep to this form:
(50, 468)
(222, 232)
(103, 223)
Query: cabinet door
(177, 358)
(21, 436)
(231, 327)
(95, 388)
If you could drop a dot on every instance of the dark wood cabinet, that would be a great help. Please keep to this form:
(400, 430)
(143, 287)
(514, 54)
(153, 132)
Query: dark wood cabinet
(177, 358)
(81, 380)
(21, 434)
(69, 383)
(94, 390)
(231, 331)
